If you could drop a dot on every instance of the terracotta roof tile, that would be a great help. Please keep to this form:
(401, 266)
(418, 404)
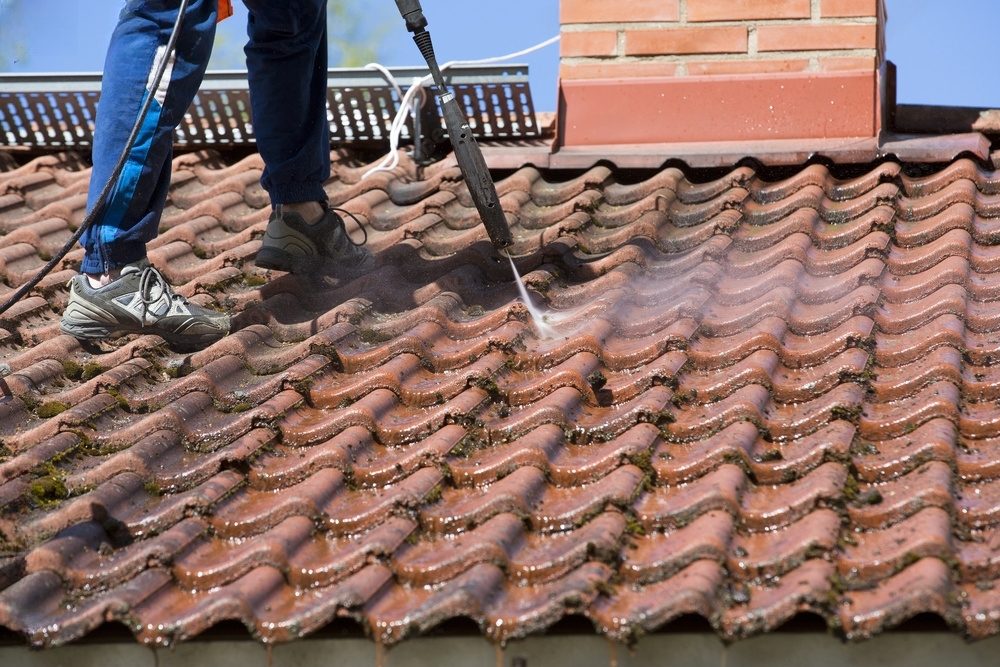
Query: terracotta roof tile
(766, 397)
(632, 611)
(924, 587)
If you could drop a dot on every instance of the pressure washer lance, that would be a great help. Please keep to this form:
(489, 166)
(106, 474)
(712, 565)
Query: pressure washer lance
(467, 153)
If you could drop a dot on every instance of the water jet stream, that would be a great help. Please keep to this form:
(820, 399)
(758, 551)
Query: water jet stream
(544, 330)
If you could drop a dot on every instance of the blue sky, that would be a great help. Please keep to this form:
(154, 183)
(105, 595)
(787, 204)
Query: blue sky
(943, 49)
(71, 35)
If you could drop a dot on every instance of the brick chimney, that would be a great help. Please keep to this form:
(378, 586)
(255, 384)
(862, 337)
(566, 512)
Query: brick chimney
(665, 71)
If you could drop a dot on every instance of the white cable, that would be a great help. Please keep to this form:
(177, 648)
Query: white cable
(409, 104)
(496, 59)
(387, 75)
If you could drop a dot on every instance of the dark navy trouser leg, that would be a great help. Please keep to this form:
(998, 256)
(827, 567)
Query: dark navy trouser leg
(287, 61)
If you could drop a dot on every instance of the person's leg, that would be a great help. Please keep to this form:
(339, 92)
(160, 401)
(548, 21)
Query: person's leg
(131, 216)
(287, 64)
(118, 292)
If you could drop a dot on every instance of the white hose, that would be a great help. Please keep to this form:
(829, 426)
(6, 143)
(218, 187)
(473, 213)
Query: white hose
(410, 103)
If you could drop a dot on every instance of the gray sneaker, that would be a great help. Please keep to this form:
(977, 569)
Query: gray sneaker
(140, 301)
(319, 248)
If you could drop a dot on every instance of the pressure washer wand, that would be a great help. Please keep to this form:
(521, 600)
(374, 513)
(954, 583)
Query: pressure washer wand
(467, 153)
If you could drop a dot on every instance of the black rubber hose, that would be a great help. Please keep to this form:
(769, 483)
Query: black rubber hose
(102, 199)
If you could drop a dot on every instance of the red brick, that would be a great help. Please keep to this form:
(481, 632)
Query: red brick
(699, 67)
(605, 11)
(730, 39)
(728, 10)
(589, 43)
(602, 69)
(815, 37)
(848, 64)
(843, 8)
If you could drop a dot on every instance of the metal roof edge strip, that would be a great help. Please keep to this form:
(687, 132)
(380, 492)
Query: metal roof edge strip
(49, 111)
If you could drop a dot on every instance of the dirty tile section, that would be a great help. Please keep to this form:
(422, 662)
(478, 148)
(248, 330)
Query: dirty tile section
(762, 398)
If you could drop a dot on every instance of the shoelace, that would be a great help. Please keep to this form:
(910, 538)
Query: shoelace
(357, 222)
(149, 279)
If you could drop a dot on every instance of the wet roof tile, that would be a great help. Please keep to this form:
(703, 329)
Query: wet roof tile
(765, 396)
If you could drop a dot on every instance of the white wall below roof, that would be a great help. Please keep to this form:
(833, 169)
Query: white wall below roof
(932, 649)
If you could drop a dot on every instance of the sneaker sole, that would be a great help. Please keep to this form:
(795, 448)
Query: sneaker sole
(275, 259)
(95, 332)
(90, 331)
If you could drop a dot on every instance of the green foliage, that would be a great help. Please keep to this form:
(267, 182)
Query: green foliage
(12, 47)
(354, 36)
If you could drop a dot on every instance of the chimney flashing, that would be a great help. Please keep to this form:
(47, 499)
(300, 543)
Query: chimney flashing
(722, 70)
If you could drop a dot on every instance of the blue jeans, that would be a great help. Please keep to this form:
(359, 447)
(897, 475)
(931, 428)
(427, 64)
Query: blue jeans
(287, 63)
